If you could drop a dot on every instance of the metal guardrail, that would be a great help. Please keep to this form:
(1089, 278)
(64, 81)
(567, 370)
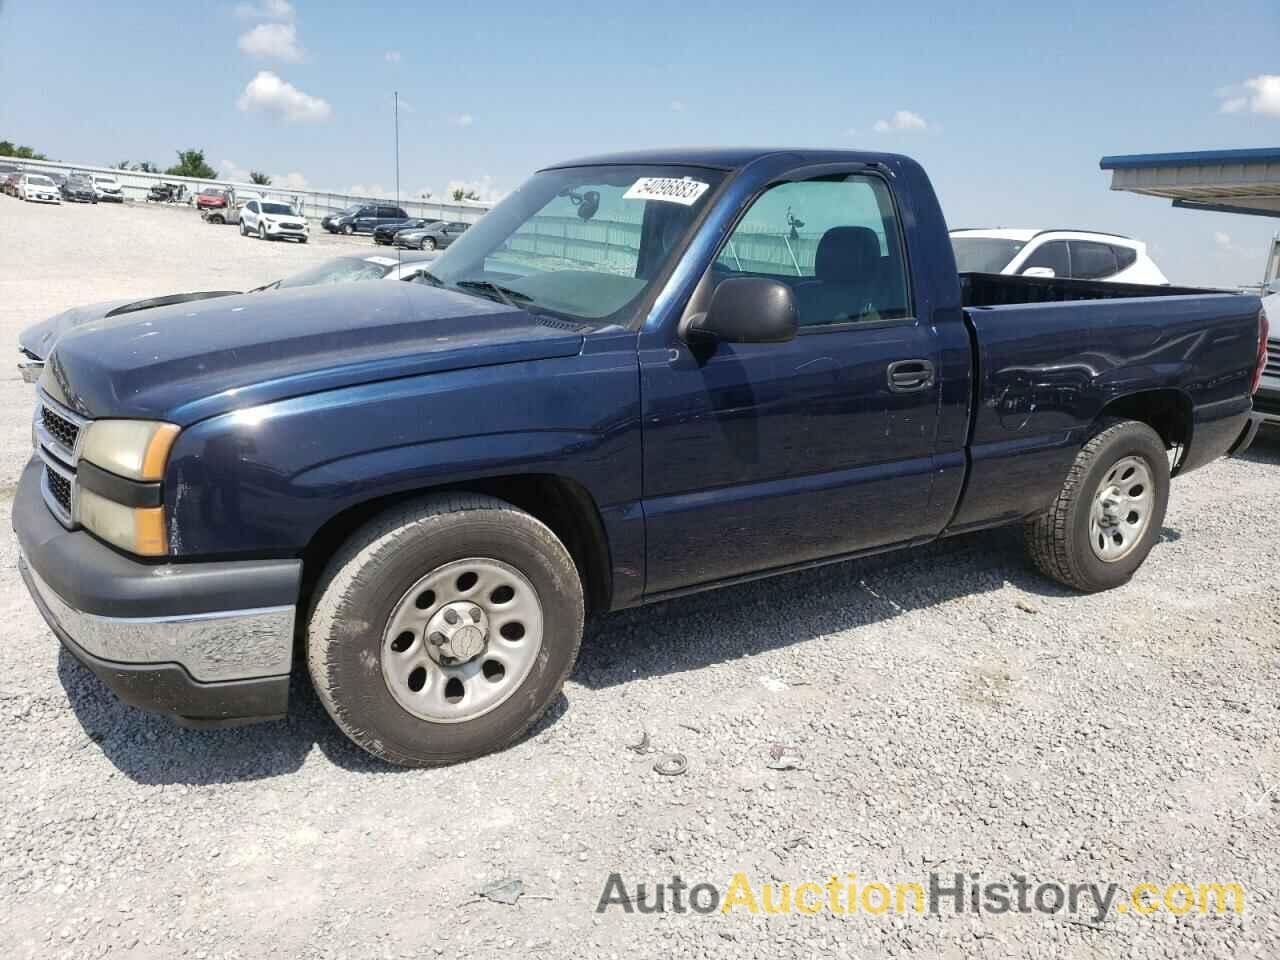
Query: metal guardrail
(313, 204)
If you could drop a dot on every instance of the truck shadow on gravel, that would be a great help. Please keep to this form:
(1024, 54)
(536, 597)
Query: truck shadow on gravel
(151, 749)
(671, 637)
(1265, 448)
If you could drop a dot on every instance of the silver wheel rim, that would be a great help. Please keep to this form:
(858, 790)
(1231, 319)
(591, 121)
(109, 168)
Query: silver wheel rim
(1122, 509)
(462, 640)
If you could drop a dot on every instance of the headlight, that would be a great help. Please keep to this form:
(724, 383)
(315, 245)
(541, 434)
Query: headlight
(139, 530)
(134, 449)
(137, 449)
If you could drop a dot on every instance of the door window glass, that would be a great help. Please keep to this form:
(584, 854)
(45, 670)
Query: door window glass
(1092, 261)
(1053, 255)
(835, 241)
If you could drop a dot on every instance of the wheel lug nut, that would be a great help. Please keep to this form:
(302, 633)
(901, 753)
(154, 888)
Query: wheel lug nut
(450, 617)
(437, 639)
(475, 614)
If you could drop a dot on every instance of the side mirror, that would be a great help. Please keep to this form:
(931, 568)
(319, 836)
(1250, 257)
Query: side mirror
(747, 310)
(1046, 272)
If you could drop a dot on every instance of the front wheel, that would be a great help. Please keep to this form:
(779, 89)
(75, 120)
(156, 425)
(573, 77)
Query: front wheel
(243, 231)
(1109, 513)
(262, 232)
(444, 628)
(428, 243)
(348, 229)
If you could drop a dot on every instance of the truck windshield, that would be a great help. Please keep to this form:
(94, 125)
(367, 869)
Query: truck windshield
(584, 243)
(984, 254)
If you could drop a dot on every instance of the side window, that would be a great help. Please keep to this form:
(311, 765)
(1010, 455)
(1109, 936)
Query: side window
(1092, 261)
(1053, 255)
(399, 214)
(253, 206)
(835, 241)
(1126, 257)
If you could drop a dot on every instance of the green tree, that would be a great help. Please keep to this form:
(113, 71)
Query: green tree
(9, 149)
(145, 167)
(122, 165)
(259, 178)
(191, 163)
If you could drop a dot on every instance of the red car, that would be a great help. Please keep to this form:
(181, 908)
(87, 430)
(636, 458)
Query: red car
(210, 199)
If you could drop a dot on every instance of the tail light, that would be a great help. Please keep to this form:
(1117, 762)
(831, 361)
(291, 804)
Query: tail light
(1264, 331)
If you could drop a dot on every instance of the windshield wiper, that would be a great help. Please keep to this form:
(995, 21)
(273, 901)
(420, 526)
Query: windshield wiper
(512, 298)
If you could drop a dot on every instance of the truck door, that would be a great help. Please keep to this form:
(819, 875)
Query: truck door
(765, 455)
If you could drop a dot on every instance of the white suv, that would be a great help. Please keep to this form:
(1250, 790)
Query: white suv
(270, 220)
(107, 188)
(1074, 254)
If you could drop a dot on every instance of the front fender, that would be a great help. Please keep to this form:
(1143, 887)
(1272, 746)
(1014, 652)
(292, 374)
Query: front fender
(262, 481)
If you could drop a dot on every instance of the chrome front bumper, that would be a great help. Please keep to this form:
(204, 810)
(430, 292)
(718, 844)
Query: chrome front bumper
(211, 647)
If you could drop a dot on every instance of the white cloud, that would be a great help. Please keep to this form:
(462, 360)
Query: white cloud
(273, 41)
(289, 181)
(901, 120)
(392, 56)
(267, 92)
(462, 120)
(677, 106)
(267, 10)
(230, 170)
(1260, 94)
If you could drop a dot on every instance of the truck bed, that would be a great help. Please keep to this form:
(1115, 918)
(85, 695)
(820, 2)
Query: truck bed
(993, 289)
(1046, 368)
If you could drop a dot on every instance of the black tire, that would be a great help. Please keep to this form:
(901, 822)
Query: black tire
(1058, 541)
(348, 229)
(428, 243)
(262, 232)
(367, 578)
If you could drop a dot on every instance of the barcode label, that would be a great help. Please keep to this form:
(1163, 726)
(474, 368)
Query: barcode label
(679, 190)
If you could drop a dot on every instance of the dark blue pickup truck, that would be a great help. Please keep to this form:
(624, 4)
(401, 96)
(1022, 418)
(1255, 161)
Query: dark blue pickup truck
(638, 376)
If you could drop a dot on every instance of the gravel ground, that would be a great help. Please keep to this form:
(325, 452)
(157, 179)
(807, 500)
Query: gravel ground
(948, 710)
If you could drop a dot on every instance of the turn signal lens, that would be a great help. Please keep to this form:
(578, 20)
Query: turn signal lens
(139, 530)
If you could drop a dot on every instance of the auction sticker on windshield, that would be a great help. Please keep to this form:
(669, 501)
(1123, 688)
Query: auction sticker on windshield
(680, 190)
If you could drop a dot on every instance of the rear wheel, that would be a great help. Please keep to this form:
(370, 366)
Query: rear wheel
(444, 628)
(1109, 512)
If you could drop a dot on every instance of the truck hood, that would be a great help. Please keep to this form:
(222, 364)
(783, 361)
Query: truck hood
(190, 361)
(39, 338)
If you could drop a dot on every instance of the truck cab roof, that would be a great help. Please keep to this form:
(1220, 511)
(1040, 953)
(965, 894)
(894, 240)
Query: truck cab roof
(722, 158)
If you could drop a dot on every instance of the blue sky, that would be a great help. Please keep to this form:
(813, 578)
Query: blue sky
(1009, 106)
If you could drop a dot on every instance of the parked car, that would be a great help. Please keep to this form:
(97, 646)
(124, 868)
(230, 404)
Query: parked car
(363, 218)
(79, 190)
(429, 484)
(167, 193)
(435, 236)
(1267, 400)
(37, 340)
(384, 234)
(1074, 254)
(38, 188)
(268, 220)
(10, 185)
(108, 188)
(211, 198)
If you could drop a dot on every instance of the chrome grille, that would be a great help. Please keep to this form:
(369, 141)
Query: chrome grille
(1272, 369)
(59, 433)
(59, 489)
(60, 428)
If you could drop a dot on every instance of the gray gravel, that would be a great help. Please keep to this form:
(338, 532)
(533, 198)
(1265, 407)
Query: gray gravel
(948, 710)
